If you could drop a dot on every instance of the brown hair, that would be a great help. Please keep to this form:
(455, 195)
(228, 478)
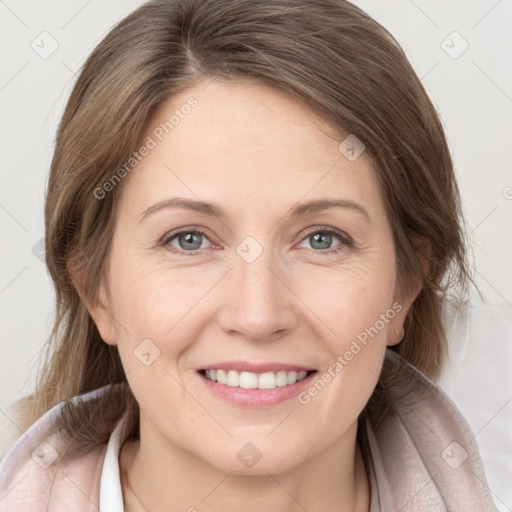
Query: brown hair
(327, 54)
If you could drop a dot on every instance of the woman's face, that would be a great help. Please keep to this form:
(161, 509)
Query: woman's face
(248, 280)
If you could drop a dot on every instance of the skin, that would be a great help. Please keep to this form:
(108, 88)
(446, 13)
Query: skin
(256, 154)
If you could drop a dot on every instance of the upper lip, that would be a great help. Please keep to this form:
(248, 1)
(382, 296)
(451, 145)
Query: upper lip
(246, 366)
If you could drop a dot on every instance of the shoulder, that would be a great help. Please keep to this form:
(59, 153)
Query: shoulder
(35, 474)
(426, 448)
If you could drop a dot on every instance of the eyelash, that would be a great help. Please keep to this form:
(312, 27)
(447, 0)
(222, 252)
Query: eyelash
(346, 241)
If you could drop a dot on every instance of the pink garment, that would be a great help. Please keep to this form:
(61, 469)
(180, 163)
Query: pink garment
(423, 456)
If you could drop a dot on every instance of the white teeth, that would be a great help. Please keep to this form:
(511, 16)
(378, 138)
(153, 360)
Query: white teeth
(267, 380)
(233, 379)
(250, 380)
(292, 377)
(301, 375)
(281, 378)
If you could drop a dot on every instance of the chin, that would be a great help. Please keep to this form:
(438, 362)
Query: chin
(257, 457)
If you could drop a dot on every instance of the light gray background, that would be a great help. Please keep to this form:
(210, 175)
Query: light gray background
(472, 92)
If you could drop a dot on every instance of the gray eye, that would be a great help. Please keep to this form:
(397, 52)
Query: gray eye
(188, 240)
(320, 240)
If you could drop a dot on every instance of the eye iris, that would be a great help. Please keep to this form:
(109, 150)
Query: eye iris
(189, 238)
(324, 239)
(319, 240)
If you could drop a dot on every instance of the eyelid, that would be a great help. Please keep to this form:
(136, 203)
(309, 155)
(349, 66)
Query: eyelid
(165, 240)
(184, 229)
(345, 239)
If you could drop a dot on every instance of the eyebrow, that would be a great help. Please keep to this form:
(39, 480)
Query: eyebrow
(210, 209)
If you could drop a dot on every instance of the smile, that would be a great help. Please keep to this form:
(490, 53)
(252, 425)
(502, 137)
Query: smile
(255, 385)
(250, 380)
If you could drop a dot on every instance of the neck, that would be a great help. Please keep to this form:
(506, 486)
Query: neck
(153, 478)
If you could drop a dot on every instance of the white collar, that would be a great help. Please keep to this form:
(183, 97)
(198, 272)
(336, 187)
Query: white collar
(111, 495)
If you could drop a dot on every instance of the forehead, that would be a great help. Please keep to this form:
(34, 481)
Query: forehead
(245, 145)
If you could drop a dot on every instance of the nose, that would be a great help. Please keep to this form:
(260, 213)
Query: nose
(258, 304)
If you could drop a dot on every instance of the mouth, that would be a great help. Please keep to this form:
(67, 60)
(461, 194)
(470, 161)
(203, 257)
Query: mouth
(255, 385)
(252, 380)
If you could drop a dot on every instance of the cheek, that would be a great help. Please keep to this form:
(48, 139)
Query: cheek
(151, 305)
(350, 300)
(153, 332)
(358, 308)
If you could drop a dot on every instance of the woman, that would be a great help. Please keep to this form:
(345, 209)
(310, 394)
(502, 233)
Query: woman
(252, 223)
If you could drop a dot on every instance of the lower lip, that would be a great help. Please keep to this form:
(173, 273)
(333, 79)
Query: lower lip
(256, 397)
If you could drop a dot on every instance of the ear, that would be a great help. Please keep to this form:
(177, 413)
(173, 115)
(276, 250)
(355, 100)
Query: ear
(403, 302)
(99, 308)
